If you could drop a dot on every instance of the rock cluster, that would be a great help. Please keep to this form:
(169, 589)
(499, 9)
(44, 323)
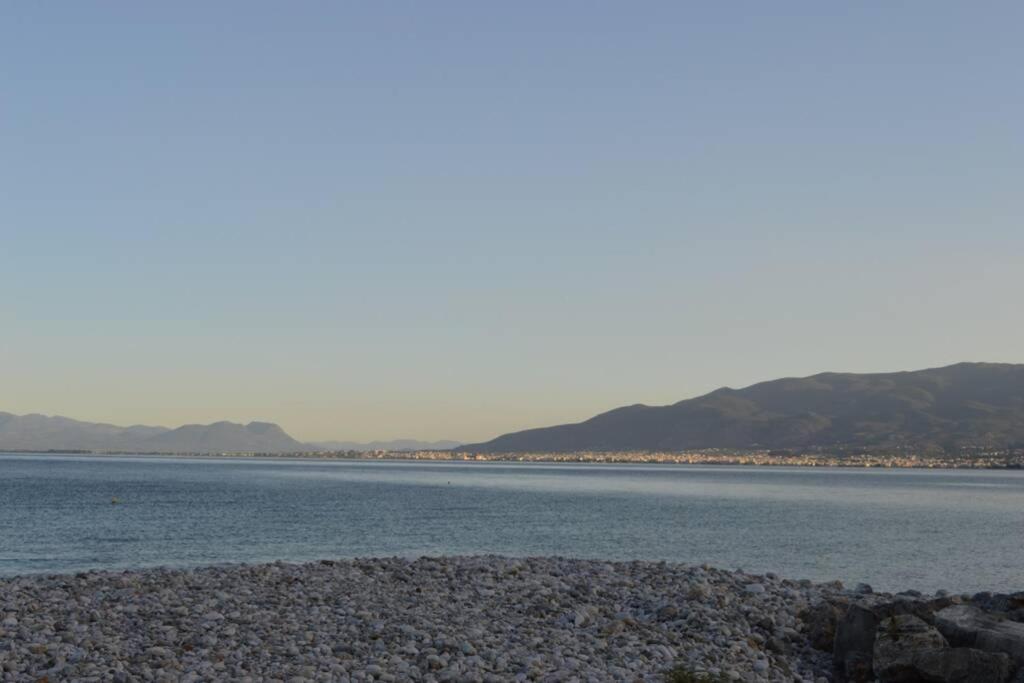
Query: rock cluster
(910, 638)
(432, 619)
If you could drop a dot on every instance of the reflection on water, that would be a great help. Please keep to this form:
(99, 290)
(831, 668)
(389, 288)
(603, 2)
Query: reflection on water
(960, 530)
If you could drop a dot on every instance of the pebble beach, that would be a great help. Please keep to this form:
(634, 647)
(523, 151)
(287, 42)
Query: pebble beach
(431, 619)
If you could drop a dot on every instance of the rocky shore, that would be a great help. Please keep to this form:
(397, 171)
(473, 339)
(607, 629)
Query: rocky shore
(493, 619)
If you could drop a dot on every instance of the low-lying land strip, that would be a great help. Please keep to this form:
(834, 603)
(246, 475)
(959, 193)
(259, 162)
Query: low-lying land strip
(1012, 459)
(969, 460)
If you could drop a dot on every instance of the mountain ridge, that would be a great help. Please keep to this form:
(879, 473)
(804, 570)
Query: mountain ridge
(387, 445)
(965, 405)
(37, 432)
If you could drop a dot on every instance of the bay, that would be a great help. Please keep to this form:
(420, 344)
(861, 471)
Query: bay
(960, 530)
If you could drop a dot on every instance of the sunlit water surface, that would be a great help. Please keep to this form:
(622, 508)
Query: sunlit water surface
(895, 529)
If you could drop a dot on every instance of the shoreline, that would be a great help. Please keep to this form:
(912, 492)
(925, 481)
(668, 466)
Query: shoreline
(475, 618)
(484, 618)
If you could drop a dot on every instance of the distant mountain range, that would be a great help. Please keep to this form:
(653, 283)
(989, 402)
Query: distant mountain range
(395, 445)
(45, 433)
(940, 409)
(968, 405)
(42, 432)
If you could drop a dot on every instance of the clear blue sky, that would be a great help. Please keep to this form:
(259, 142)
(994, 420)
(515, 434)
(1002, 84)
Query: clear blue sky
(372, 220)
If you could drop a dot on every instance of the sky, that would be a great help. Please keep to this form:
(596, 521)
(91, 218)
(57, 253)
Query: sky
(458, 219)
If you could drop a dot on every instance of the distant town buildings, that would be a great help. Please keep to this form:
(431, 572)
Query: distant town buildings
(966, 459)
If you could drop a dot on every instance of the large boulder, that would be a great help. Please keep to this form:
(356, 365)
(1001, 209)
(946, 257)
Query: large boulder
(898, 642)
(820, 620)
(854, 645)
(962, 665)
(968, 626)
(908, 650)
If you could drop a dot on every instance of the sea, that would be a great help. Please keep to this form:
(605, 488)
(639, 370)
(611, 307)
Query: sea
(895, 529)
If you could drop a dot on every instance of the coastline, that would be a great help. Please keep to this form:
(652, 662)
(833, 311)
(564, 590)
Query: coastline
(483, 618)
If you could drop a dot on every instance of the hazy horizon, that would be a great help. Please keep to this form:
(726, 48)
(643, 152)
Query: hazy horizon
(456, 221)
(342, 439)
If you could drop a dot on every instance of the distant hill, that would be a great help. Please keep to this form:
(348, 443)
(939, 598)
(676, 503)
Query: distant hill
(41, 433)
(395, 445)
(940, 409)
(223, 437)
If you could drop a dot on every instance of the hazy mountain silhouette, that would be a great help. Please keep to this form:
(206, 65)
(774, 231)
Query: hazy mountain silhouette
(968, 404)
(394, 445)
(221, 437)
(41, 432)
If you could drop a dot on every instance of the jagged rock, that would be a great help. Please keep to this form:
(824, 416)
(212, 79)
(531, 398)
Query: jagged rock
(908, 650)
(898, 642)
(1012, 605)
(855, 631)
(968, 626)
(854, 644)
(962, 665)
(922, 609)
(857, 668)
(821, 619)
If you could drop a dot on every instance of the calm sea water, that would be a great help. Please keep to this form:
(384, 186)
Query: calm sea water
(895, 529)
